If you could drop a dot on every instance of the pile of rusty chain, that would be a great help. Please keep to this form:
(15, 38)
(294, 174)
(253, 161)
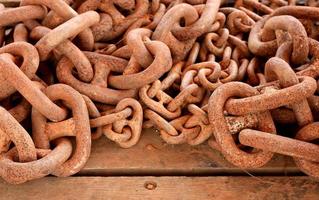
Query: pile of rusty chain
(240, 75)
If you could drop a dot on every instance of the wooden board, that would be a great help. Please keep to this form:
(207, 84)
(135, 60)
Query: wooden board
(152, 156)
(197, 188)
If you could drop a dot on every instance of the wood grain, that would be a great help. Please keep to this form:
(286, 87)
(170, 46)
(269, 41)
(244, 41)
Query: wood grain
(186, 188)
(152, 156)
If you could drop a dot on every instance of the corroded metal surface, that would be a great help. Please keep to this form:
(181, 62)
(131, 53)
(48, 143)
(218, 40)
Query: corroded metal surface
(227, 73)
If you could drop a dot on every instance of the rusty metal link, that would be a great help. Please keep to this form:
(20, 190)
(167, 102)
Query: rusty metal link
(67, 13)
(126, 132)
(98, 120)
(142, 50)
(171, 33)
(200, 118)
(29, 65)
(104, 48)
(267, 27)
(66, 30)
(2, 29)
(179, 49)
(109, 118)
(239, 44)
(167, 106)
(221, 131)
(295, 29)
(219, 22)
(173, 76)
(53, 19)
(16, 78)
(304, 12)
(119, 22)
(19, 164)
(194, 127)
(304, 153)
(239, 22)
(23, 13)
(20, 111)
(17, 173)
(193, 54)
(66, 126)
(68, 49)
(197, 70)
(18, 135)
(311, 69)
(98, 90)
(82, 132)
(158, 11)
(20, 33)
(258, 6)
(242, 69)
(206, 74)
(219, 39)
(309, 166)
(250, 13)
(170, 130)
(230, 72)
(147, 95)
(280, 144)
(190, 94)
(275, 99)
(276, 68)
(252, 71)
(200, 26)
(93, 113)
(141, 22)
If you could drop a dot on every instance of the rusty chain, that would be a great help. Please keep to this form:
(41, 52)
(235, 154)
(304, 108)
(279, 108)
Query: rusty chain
(233, 74)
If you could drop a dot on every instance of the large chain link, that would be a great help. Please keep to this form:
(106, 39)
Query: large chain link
(218, 72)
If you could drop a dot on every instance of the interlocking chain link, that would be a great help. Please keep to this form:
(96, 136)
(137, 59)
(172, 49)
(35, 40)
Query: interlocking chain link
(225, 73)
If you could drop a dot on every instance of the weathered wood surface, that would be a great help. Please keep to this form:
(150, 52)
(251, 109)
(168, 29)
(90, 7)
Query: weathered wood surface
(199, 188)
(152, 156)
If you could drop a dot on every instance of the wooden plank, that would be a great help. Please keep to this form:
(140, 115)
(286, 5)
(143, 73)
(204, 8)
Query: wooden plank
(152, 156)
(10, 3)
(199, 188)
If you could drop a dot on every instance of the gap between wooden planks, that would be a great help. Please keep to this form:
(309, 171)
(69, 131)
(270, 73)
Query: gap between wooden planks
(199, 188)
